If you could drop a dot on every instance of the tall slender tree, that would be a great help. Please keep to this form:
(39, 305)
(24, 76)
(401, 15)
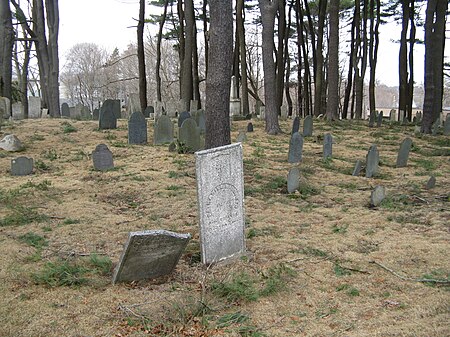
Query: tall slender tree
(333, 62)
(7, 37)
(141, 57)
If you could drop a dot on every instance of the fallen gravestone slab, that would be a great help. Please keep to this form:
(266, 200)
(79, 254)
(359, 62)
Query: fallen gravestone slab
(102, 158)
(11, 143)
(21, 166)
(377, 196)
(293, 180)
(431, 183)
(327, 146)
(403, 153)
(372, 160)
(295, 148)
(242, 137)
(149, 254)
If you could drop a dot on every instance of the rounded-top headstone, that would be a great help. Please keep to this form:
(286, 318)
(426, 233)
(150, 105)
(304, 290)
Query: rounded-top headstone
(327, 146)
(308, 126)
(377, 196)
(295, 125)
(65, 110)
(11, 143)
(250, 127)
(102, 158)
(137, 128)
(149, 110)
(163, 132)
(372, 161)
(182, 117)
(293, 180)
(295, 148)
(21, 166)
(403, 153)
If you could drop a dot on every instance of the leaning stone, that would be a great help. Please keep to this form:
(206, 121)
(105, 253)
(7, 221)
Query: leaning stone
(377, 196)
(11, 143)
(372, 161)
(357, 169)
(403, 153)
(21, 166)
(293, 180)
(431, 183)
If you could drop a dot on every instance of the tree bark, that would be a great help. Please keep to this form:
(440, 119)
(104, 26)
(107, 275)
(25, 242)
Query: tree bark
(280, 53)
(319, 78)
(187, 88)
(373, 49)
(349, 86)
(403, 62)
(245, 106)
(158, 52)
(7, 37)
(333, 62)
(141, 57)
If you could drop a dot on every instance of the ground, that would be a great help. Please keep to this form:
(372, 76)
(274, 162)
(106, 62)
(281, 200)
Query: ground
(321, 262)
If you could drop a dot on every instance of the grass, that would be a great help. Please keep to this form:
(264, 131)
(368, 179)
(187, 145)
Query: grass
(339, 229)
(41, 165)
(68, 128)
(50, 154)
(21, 216)
(33, 240)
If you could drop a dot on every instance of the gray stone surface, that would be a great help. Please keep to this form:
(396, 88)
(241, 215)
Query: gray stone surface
(149, 111)
(262, 112)
(403, 153)
(293, 180)
(327, 146)
(137, 128)
(95, 114)
(431, 183)
(392, 114)
(102, 158)
(133, 104)
(220, 192)
(149, 254)
(200, 119)
(193, 106)
(159, 110)
(17, 111)
(379, 119)
(163, 132)
(295, 148)
(250, 127)
(11, 143)
(21, 166)
(65, 110)
(108, 114)
(295, 125)
(182, 117)
(34, 107)
(372, 161)
(189, 135)
(4, 108)
(284, 112)
(242, 137)
(372, 117)
(357, 169)
(377, 196)
(435, 127)
(447, 125)
(308, 126)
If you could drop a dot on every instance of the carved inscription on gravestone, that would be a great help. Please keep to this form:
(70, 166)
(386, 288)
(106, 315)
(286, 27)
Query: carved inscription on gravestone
(220, 192)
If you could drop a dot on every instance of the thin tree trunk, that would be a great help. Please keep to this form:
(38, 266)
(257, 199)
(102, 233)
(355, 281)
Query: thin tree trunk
(158, 53)
(403, 62)
(412, 40)
(205, 34)
(241, 33)
(280, 56)
(141, 57)
(186, 79)
(319, 78)
(333, 63)
(7, 36)
(349, 86)
(373, 50)
(181, 42)
(195, 75)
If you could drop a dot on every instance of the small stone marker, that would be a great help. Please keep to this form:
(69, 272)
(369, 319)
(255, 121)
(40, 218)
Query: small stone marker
(392, 114)
(182, 117)
(137, 128)
(379, 119)
(295, 125)
(431, 183)
(447, 126)
(242, 137)
(102, 158)
(163, 132)
(149, 254)
(108, 117)
(293, 180)
(189, 134)
(250, 127)
(357, 169)
(262, 112)
(295, 148)
(11, 143)
(65, 110)
(403, 153)
(149, 111)
(327, 146)
(34, 107)
(377, 196)
(372, 161)
(17, 111)
(220, 192)
(308, 126)
(200, 119)
(5, 111)
(21, 166)
(284, 112)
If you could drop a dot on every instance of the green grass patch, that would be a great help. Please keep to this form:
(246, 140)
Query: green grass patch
(33, 240)
(340, 271)
(426, 164)
(61, 273)
(339, 229)
(70, 221)
(68, 128)
(50, 154)
(21, 216)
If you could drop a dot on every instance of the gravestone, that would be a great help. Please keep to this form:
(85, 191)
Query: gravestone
(431, 183)
(295, 125)
(403, 153)
(200, 119)
(133, 104)
(108, 117)
(137, 128)
(250, 127)
(149, 254)
(17, 111)
(4, 108)
(235, 102)
(158, 110)
(435, 127)
(379, 119)
(34, 107)
(163, 132)
(262, 112)
(242, 137)
(189, 134)
(327, 146)
(220, 192)
(21, 166)
(308, 126)
(102, 158)
(183, 105)
(419, 117)
(65, 110)
(95, 114)
(357, 169)
(193, 105)
(182, 117)
(377, 196)
(76, 111)
(372, 160)
(284, 112)
(392, 116)
(372, 119)
(11, 143)
(149, 111)
(447, 126)
(295, 148)
(293, 180)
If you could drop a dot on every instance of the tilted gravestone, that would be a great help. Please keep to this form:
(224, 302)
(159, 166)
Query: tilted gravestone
(200, 119)
(372, 161)
(102, 158)
(189, 135)
(149, 111)
(65, 110)
(293, 180)
(327, 146)
(357, 169)
(447, 126)
(108, 117)
(242, 137)
(250, 127)
(21, 166)
(379, 119)
(403, 153)
(308, 126)
(149, 254)
(295, 148)
(295, 125)
(431, 183)
(220, 192)
(377, 196)
(182, 117)
(137, 128)
(163, 132)
(11, 143)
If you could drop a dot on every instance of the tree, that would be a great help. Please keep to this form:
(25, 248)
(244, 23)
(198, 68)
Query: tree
(218, 84)
(434, 62)
(187, 89)
(318, 75)
(141, 57)
(243, 55)
(7, 37)
(373, 49)
(333, 63)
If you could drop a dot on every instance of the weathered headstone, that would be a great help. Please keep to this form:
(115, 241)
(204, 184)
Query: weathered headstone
(108, 117)
(379, 119)
(34, 107)
(159, 110)
(293, 180)
(308, 126)
(447, 125)
(242, 137)
(102, 158)
(220, 192)
(392, 114)
(182, 117)
(149, 111)
(4, 107)
(295, 148)
(403, 153)
(193, 105)
(200, 119)
(11, 143)
(284, 112)
(377, 196)
(21, 166)
(133, 104)
(17, 111)
(327, 146)
(95, 114)
(435, 127)
(372, 119)
(357, 169)
(372, 160)
(189, 135)
(163, 132)
(262, 112)
(419, 118)
(431, 183)
(65, 111)
(137, 128)
(149, 254)
(295, 125)
(183, 105)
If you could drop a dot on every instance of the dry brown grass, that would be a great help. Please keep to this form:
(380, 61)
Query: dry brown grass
(327, 235)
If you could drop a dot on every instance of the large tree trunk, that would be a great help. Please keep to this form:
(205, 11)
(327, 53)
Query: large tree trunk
(7, 38)
(333, 62)
(187, 88)
(195, 74)
(158, 52)
(280, 55)
(373, 49)
(181, 41)
(268, 11)
(22, 69)
(319, 77)
(141, 57)
(412, 40)
(241, 34)
(403, 63)
(307, 97)
(434, 61)
(218, 84)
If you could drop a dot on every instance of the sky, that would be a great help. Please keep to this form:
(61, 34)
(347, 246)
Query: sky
(107, 22)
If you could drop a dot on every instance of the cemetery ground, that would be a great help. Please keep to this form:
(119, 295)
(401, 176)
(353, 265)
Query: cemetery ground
(321, 262)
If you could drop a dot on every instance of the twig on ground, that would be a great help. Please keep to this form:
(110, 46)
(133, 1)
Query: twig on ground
(421, 199)
(355, 270)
